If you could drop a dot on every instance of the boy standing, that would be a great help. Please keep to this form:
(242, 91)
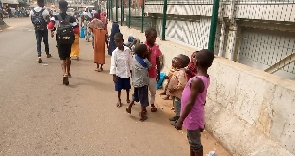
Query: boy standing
(40, 18)
(121, 65)
(140, 80)
(66, 28)
(154, 71)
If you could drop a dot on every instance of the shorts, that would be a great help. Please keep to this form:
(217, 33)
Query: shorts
(194, 139)
(64, 51)
(141, 95)
(122, 83)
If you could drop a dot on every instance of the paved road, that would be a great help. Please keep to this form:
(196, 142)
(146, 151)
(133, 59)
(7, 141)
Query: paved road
(39, 116)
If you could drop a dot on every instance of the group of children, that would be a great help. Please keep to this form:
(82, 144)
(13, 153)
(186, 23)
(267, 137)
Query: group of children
(187, 83)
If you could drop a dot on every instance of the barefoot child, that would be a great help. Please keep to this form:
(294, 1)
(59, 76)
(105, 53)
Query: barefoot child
(192, 102)
(121, 65)
(177, 83)
(154, 71)
(140, 80)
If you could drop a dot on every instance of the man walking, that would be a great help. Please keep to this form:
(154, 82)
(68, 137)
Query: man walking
(40, 18)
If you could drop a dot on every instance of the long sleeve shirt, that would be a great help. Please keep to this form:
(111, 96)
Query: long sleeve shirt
(177, 83)
(121, 63)
(140, 74)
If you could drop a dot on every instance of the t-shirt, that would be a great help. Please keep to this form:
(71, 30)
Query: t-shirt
(45, 13)
(156, 53)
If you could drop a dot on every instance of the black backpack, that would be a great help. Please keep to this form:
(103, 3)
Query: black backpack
(65, 33)
(38, 20)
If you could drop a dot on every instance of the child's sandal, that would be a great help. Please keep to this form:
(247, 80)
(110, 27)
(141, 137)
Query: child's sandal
(154, 109)
(142, 116)
(128, 110)
(119, 104)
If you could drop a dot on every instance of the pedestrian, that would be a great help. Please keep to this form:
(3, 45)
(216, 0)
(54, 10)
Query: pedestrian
(121, 66)
(40, 19)
(154, 71)
(168, 77)
(140, 80)
(104, 20)
(177, 84)
(66, 27)
(193, 100)
(115, 29)
(75, 51)
(98, 41)
(85, 19)
(1, 12)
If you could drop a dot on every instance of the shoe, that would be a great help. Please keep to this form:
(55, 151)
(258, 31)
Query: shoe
(39, 59)
(174, 118)
(49, 55)
(173, 123)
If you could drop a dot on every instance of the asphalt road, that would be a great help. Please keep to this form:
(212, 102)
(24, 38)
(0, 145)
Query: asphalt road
(40, 116)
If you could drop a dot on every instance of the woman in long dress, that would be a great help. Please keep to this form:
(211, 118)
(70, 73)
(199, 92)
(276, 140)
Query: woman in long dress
(97, 27)
(75, 51)
(112, 45)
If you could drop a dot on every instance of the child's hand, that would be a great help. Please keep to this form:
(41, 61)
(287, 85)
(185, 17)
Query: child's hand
(178, 125)
(115, 79)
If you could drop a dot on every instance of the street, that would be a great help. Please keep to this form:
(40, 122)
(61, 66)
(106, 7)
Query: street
(40, 116)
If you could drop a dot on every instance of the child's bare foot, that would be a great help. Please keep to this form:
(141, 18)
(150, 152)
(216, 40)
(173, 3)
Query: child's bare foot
(119, 104)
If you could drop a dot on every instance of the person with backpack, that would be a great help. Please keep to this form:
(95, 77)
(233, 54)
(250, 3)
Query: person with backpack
(40, 18)
(66, 27)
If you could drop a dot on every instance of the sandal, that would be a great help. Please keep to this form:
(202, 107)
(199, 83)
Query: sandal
(119, 104)
(142, 116)
(65, 80)
(128, 110)
(154, 109)
(98, 70)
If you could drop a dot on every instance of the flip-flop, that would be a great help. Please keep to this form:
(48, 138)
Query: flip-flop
(128, 110)
(65, 80)
(142, 119)
(119, 104)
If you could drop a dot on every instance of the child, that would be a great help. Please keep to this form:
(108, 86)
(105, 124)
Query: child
(64, 44)
(154, 71)
(121, 67)
(177, 83)
(191, 69)
(192, 102)
(140, 80)
(170, 74)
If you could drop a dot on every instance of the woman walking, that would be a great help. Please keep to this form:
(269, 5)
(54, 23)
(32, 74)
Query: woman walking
(97, 28)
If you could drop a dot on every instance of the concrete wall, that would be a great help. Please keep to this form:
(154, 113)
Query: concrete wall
(249, 111)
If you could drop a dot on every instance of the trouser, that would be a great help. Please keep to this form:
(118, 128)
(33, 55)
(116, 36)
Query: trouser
(42, 34)
(177, 106)
(153, 89)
